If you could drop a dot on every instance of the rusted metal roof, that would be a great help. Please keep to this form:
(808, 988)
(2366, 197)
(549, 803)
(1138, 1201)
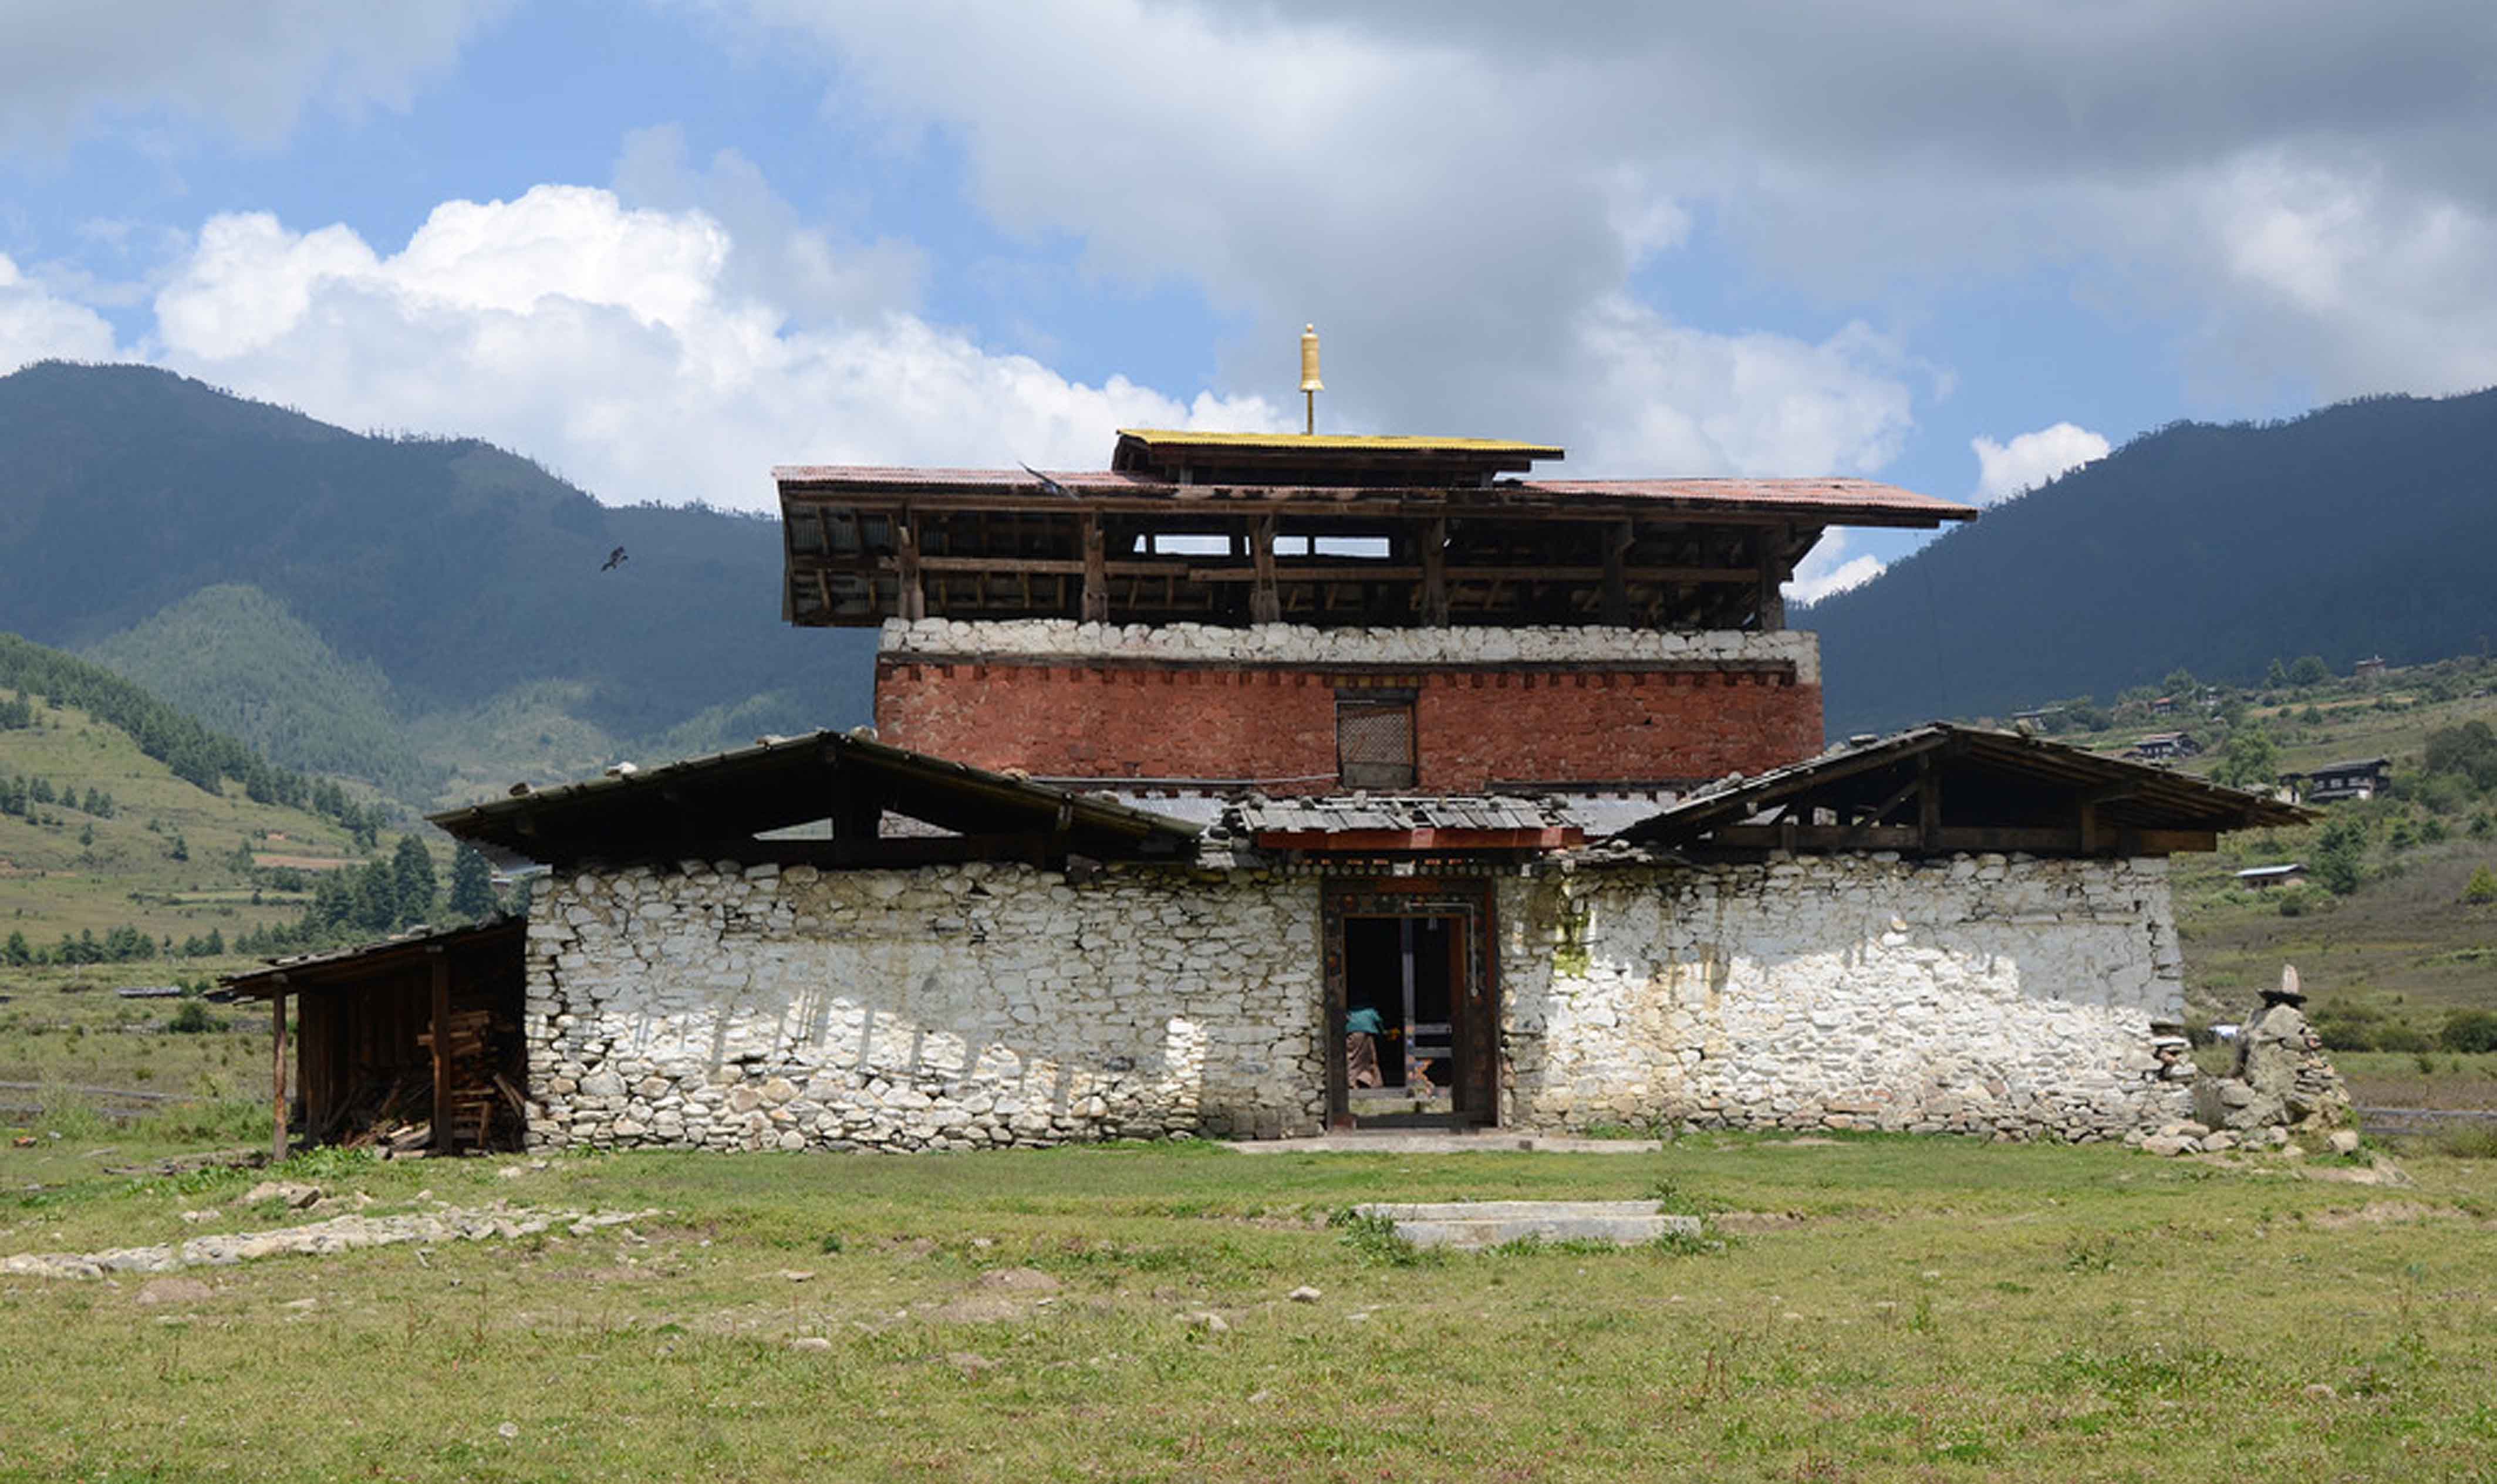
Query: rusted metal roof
(1828, 501)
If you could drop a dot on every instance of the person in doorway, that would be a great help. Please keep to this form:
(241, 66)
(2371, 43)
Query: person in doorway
(1362, 1029)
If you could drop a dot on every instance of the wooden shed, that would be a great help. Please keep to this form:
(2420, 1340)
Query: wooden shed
(420, 1032)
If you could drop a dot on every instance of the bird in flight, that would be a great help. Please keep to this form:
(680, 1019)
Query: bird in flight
(1047, 484)
(614, 559)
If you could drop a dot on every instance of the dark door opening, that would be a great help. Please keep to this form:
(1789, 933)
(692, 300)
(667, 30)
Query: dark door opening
(1402, 1033)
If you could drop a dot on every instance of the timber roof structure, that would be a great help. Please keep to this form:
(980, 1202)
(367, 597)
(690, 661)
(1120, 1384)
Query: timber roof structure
(1267, 527)
(357, 967)
(1942, 788)
(725, 807)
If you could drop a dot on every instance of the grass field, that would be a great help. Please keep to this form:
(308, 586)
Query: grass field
(1882, 1309)
(52, 882)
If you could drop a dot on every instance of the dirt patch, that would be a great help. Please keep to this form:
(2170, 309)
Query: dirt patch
(1018, 1281)
(975, 1309)
(1745, 1222)
(2378, 1214)
(302, 862)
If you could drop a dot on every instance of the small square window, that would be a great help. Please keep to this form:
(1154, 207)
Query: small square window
(1373, 744)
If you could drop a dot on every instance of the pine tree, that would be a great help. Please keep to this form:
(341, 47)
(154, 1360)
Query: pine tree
(412, 864)
(376, 897)
(472, 885)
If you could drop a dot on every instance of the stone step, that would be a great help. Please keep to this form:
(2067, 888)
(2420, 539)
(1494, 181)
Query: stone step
(1491, 1224)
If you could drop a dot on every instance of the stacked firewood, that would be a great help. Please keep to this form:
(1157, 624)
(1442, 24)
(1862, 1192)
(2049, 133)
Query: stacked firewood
(482, 1097)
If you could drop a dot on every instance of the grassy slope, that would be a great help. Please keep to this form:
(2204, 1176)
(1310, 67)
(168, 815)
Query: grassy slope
(2404, 940)
(1942, 1309)
(64, 1023)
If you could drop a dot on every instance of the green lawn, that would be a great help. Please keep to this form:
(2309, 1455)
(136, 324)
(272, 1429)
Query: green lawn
(1884, 1308)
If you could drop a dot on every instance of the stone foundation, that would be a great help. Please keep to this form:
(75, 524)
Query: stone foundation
(963, 1007)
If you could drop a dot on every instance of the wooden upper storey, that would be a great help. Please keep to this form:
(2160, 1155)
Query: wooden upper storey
(1251, 528)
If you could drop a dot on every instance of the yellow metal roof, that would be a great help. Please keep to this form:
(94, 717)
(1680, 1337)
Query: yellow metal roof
(1284, 442)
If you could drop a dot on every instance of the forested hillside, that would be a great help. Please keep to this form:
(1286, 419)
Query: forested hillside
(2359, 529)
(454, 571)
(234, 658)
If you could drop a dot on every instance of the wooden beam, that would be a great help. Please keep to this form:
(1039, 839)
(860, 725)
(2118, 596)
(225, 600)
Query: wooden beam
(1774, 571)
(1929, 800)
(1434, 572)
(1096, 570)
(277, 1075)
(1265, 601)
(1904, 792)
(905, 557)
(441, 966)
(1616, 577)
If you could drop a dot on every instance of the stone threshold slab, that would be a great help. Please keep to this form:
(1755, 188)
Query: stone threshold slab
(1493, 1223)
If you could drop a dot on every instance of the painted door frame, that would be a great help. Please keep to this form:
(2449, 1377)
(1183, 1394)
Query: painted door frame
(1473, 997)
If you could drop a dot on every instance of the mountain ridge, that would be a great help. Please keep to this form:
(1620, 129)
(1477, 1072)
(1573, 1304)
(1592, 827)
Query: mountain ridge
(2352, 530)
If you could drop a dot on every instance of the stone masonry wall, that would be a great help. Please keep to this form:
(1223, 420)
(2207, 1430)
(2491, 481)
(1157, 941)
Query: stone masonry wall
(1980, 994)
(967, 1006)
(1491, 706)
(942, 1008)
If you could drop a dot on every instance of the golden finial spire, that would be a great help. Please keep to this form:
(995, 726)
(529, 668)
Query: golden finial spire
(1310, 386)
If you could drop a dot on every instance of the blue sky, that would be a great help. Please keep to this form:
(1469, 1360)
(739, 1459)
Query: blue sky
(662, 246)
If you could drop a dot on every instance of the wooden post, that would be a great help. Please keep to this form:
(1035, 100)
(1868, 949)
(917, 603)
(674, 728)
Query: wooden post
(1617, 590)
(1096, 570)
(441, 963)
(1265, 599)
(1929, 803)
(2092, 838)
(1434, 572)
(277, 1075)
(1774, 571)
(913, 597)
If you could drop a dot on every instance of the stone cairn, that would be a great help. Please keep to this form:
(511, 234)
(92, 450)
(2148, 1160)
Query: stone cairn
(2283, 1087)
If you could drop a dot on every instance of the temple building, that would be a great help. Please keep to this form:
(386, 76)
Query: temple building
(1260, 785)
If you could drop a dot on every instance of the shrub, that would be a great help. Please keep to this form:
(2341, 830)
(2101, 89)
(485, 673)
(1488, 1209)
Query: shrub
(2482, 887)
(2469, 1030)
(2396, 1036)
(194, 1019)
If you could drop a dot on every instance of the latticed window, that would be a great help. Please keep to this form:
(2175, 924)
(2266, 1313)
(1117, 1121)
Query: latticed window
(1373, 742)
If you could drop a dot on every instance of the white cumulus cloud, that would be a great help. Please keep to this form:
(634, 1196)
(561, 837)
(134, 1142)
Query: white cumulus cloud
(2029, 459)
(617, 345)
(1828, 569)
(38, 325)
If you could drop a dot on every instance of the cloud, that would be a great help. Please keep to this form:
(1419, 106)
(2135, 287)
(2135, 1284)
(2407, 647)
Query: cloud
(1463, 242)
(37, 325)
(617, 345)
(1453, 188)
(248, 66)
(2031, 460)
(1828, 569)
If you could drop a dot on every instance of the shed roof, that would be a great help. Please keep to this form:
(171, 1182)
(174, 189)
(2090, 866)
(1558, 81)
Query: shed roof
(712, 808)
(346, 967)
(1997, 790)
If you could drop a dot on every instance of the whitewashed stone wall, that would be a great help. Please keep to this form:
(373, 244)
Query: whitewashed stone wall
(1298, 643)
(1979, 994)
(968, 1006)
(942, 1008)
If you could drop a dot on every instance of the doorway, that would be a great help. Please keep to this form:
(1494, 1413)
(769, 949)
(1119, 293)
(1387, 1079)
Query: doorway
(1414, 1028)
